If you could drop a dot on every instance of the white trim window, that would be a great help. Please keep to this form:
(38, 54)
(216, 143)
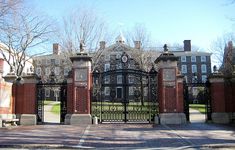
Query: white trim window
(203, 68)
(107, 57)
(106, 91)
(38, 71)
(107, 79)
(184, 68)
(57, 70)
(131, 90)
(57, 61)
(183, 58)
(48, 62)
(194, 68)
(119, 92)
(203, 58)
(204, 78)
(66, 71)
(119, 79)
(131, 79)
(48, 71)
(106, 67)
(38, 62)
(193, 59)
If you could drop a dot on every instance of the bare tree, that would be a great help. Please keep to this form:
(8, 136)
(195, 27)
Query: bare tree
(8, 6)
(218, 47)
(20, 32)
(139, 33)
(84, 26)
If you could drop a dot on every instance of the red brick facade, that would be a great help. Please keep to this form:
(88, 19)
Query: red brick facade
(222, 94)
(170, 97)
(25, 98)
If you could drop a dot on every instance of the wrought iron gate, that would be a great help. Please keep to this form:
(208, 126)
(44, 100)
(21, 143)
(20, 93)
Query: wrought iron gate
(197, 92)
(59, 92)
(125, 95)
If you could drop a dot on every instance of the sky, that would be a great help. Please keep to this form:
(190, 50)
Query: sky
(167, 21)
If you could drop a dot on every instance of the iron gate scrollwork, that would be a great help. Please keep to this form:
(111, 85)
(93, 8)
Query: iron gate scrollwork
(124, 95)
(59, 92)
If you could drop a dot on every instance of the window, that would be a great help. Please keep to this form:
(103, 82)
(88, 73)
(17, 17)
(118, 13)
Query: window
(203, 68)
(203, 58)
(131, 90)
(48, 71)
(119, 92)
(194, 68)
(119, 79)
(39, 62)
(204, 78)
(38, 71)
(57, 70)
(53, 61)
(57, 61)
(183, 58)
(184, 68)
(106, 67)
(48, 62)
(131, 79)
(47, 92)
(66, 71)
(107, 57)
(106, 91)
(193, 58)
(107, 79)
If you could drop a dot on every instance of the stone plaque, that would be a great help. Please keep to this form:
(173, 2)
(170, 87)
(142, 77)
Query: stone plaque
(81, 75)
(168, 74)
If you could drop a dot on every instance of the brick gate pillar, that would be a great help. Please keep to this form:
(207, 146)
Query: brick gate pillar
(79, 91)
(170, 89)
(218, 98)
(24, 95)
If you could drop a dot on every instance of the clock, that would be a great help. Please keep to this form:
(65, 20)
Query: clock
(124, 58)
(81, 75)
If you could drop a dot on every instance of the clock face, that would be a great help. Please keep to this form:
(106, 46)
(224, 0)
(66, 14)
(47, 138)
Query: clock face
(124, 58)
(81, 75)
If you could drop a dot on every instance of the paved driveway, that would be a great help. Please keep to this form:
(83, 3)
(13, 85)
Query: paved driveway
(118, 136)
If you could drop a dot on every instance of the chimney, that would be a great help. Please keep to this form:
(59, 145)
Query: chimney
(56, 49)
(102, 44)
(137, 44)
(187, 45)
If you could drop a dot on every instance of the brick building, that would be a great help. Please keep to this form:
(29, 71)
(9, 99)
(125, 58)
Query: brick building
(55, 64)
(194, 65)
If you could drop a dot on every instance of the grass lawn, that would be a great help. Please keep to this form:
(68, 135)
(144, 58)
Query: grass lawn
(56, 108)
(47, 102)
(199, 107)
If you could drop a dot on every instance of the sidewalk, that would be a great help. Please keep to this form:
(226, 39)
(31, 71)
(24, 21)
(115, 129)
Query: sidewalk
(50, 117)
(118, 136)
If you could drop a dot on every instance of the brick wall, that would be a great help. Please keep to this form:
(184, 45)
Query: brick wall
(25, 98)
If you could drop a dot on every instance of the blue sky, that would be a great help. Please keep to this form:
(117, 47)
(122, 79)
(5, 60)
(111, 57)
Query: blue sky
(168, 21)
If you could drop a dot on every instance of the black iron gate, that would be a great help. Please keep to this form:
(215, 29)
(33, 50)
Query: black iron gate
(197, 93)
(125, 95)
(58, 91)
